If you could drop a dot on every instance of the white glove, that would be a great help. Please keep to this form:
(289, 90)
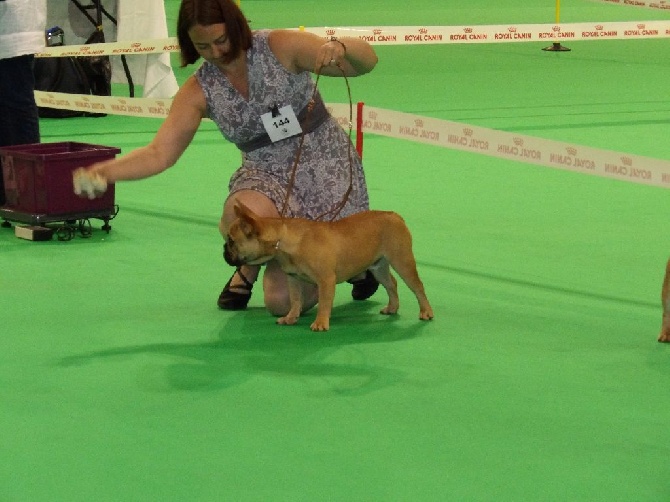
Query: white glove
(89, 183)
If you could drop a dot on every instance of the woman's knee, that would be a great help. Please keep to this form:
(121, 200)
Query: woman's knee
(259, 203)
(276, 295)
(276, 302)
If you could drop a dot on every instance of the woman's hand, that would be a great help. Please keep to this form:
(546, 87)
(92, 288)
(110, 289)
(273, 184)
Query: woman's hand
(332, 53)
(304, 51)
(88, 183)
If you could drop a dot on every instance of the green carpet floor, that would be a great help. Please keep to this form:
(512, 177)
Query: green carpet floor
(540, 378)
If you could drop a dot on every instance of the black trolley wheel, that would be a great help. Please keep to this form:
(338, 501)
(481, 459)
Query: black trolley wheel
(65, 232)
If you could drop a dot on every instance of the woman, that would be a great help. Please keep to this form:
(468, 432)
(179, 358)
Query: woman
(248, 82)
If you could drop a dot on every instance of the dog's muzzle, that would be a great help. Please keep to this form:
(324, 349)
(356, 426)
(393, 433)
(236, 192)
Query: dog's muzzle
(230, 253)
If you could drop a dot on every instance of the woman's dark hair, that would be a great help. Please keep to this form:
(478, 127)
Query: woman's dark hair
(206, 13)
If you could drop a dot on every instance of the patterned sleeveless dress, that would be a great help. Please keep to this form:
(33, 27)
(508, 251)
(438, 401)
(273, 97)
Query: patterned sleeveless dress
(323, 173)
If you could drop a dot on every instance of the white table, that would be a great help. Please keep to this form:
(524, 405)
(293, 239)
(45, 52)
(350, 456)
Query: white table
(137, 20)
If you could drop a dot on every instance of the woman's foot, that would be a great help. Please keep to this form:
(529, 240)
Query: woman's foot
(236, 293)
(364, 288)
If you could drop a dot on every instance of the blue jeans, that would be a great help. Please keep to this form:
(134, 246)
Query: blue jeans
(19, 122)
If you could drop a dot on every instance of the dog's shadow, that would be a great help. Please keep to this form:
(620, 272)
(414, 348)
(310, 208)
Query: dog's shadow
(250, 345)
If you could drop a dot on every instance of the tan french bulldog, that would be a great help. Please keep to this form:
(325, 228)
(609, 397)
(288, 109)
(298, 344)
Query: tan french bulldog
(665, 299)
(327, 253)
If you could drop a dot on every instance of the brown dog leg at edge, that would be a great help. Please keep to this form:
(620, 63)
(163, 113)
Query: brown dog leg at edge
(665, 299)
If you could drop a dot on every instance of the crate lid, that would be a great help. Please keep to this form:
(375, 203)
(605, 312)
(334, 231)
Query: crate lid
(65, 149)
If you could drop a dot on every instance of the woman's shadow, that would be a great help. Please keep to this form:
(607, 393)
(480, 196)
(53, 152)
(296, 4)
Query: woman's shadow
(248, 344)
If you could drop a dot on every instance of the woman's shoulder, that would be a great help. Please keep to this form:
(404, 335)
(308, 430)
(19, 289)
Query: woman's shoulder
(276, 38)
(259, 40)
(267, 46)
(191, 92)
(260, 34)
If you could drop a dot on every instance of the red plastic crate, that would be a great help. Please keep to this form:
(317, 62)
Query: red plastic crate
(38, 178)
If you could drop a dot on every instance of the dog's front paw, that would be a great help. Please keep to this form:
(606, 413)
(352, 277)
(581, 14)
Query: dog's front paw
(287, 320)
(389, 310)
(320, 325)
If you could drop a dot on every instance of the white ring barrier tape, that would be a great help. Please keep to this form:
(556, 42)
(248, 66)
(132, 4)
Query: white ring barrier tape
(446, 134)
(112, 48)
(528, 149)
(395, 35)
(662, 5)
(135, 107)
(400, 35)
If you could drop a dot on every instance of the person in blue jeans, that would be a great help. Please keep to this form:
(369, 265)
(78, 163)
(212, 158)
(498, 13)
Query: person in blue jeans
(22, 25)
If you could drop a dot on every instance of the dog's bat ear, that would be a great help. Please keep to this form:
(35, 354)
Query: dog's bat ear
(247, 219)
(242, 211)
(248, 227)
(238, 208)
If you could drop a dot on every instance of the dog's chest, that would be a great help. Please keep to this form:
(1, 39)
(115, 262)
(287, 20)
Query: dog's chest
(291, 267)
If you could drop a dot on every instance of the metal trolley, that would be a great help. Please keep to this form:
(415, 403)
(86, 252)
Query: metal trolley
(38, 187)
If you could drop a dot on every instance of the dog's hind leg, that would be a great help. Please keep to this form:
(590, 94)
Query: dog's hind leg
(665, 299)
(382, 273)
(405, 266)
